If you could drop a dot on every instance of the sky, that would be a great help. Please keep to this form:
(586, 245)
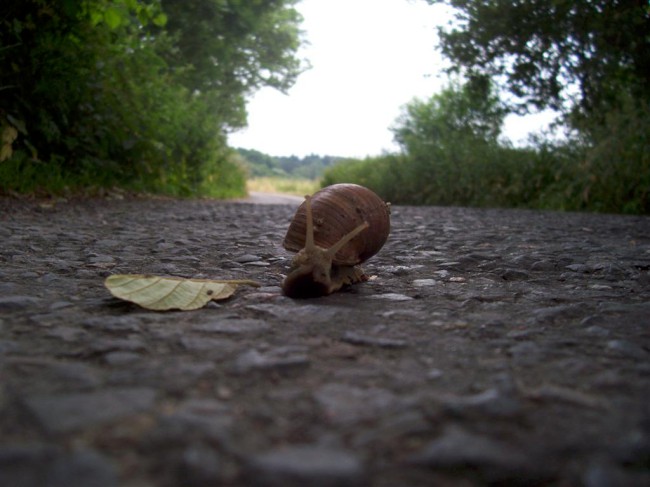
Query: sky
(368, 59)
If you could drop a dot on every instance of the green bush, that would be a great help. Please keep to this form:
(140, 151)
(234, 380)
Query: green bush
(382, 174)
(104, 93)
(451, 158)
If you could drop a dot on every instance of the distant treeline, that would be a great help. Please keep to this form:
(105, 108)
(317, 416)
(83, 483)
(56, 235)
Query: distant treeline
(259, 164)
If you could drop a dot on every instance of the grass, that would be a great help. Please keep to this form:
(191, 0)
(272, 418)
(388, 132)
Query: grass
(24, 175)
(298, 187)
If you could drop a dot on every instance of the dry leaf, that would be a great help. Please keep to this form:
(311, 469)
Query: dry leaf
(165, 293)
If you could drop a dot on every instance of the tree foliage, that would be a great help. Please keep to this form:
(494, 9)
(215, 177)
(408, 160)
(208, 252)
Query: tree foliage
(451, 155)
(577, 54)
(230, 48)
(450, 152)
(459, 112)
(137, 90)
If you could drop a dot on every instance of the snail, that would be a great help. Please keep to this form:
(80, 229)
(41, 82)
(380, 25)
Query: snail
(334, 231)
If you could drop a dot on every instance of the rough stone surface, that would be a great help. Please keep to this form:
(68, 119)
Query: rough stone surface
(489, 346)
(301, 465)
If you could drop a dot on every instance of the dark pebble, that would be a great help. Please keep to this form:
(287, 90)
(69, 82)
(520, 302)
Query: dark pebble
(305, 465)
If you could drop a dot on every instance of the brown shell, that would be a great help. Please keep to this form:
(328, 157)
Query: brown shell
(337, 210)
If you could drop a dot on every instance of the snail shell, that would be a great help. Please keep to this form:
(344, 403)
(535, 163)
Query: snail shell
(337, 228)
(337, 210)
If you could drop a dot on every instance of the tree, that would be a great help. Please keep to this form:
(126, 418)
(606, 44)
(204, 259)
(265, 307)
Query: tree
(470, 112)
(561, 54)
(125, 90)
(450, 144)
(232, 48)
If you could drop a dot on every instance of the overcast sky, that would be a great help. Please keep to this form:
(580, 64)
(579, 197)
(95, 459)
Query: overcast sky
(369, 58)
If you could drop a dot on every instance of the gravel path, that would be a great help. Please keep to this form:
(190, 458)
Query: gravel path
(493, 346)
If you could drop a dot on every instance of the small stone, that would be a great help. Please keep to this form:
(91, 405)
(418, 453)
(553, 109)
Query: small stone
(604, 473)
(25, 465)
(62, 413)
(552, 313)
(121, 323)
(457, 449)
(247, 258)
(600, 287)
(82, 468)
(282, 358)
(199, 466)
(203, 344)
(207, 419)
(598, 331)
(67, 333)
(424, 282)
(8, 346)
(628, 348)
(344, 404)
(233, 326)
(301, 465)
(491, 403)
(434, 374)
(592, 320)
(553, 393)
(130, 344)
(526, 353)
(457, 279)
(391, 297)
(515, 275)
(580, 268)
(377, 341)
(121, 358)
(543, 265)
(15, 303)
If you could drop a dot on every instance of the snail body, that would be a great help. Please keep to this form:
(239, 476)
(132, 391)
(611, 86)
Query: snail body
(333, 231)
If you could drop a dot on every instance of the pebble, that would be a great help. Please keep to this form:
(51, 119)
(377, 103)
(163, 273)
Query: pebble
(63, 413)
(391, 297)
(494, 402)
(16, 303)
(247, 258)
(132, 343)
(628, 349)
(34, 465)
(200, 465)
(206, 344)
(207, 420)
(344, 404)
(457, 450)
(278, 359)
(424, 282)
(377, 341)
(302, 465)
(233, 326)
(121, 358)
(71, 376)
(526, 353)
(82, 468)
(117, 323)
